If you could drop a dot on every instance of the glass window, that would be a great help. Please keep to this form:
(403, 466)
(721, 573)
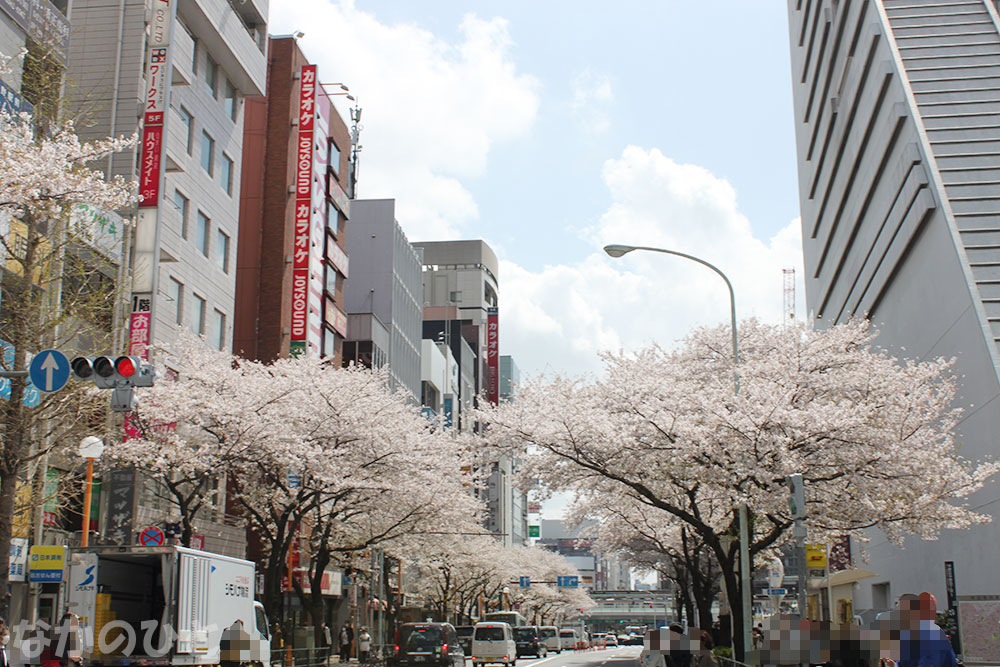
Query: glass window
(207, 153)
(182, 204)
(218, 335)
(227, 174)
(230, 100)
(197, 314)
(187, 122)
(201, 234)
(222, 250)
(211, 75)
(331, 279)
(177, 292)
(489, 634)
(329, 342)
(333, 157)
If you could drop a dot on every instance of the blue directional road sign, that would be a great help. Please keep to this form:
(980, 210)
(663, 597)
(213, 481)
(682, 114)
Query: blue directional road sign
(525, 582)
(777, 591)
(49, 370)
(568, 582)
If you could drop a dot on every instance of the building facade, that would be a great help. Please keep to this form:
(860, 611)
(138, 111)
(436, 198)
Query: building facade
(292, 264)
(385, 283)
(897, 121)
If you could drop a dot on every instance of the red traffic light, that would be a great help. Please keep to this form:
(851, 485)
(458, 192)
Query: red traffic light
(126, 366)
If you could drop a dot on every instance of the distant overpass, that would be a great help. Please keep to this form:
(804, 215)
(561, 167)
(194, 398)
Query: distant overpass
(617, 609)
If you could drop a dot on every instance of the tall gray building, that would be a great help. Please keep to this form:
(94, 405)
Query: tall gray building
(897, 121)
(385, 283)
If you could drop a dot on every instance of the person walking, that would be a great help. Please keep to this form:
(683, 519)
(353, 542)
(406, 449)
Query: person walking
(4, 640)
(345, 643)
(364, 645)
(69, 647)
(921, 642)
(704, 657)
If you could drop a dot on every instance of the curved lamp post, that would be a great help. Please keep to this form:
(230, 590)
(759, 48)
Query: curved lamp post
(617, 250)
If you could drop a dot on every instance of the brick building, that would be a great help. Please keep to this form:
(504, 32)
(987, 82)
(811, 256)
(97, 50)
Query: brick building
(294, 205)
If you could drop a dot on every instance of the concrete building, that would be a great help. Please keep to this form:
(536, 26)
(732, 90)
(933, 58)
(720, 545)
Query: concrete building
(38, 26)
(292, 264)
(385, 284)
(217, 57)
(898, 131)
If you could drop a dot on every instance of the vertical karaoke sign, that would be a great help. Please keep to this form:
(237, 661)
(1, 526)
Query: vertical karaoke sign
(493, 356)
(144, 248)
(303, 211)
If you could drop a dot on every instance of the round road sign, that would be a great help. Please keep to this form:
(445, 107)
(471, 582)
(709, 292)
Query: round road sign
(151, 537)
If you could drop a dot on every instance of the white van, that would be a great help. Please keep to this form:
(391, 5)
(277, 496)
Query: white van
(493, 642)
(569, 638)
(550, 638)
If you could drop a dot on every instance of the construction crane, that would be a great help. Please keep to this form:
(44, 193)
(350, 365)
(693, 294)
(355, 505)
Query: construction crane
(788, 292)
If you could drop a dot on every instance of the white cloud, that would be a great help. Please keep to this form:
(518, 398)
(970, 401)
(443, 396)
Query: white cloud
(432, 108)
(560, 317)
(592, 95)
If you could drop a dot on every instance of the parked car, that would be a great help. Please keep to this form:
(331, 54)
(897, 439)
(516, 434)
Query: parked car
(550, 637)
(493, 643)
(569, 637)
(465, 637)
(427, 644)
(528, 639)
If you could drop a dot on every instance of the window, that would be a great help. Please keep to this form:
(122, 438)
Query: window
(333, 157)
(331, 280)
(177, 293)
(211, 75)
(197, 314)
(194, 49)
(222, 250)
(218, 335)
(182, 204)
(230, 100)
(187, 121)
(227, 174)
(329, 342)
(207, 153)
(201, 233)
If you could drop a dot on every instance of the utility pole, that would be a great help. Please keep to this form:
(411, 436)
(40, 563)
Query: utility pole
(797, 503)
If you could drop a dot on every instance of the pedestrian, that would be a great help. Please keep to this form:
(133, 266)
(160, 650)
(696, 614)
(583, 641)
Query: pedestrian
(345, 643)
(364, 645)
(705, 657)
(327, 643)
(68, 646)
(679, 654)
(4, 640)
(921, 641)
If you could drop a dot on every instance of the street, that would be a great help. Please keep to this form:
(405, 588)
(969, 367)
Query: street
(624, 656)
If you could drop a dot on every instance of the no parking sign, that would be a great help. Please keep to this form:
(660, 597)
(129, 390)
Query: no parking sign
(151, 536)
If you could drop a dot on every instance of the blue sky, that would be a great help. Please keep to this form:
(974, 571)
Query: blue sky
(550, 128)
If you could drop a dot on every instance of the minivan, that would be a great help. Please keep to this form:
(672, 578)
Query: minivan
(550, 637)
(493, 642)
(569, 637)
(528, 640)
(427, 644)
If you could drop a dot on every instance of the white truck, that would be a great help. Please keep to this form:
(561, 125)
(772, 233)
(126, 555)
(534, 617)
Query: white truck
(166, 605)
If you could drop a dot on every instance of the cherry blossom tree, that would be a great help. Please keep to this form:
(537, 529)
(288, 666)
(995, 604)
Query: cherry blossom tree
(655, 541)
(47, 295)
(872, 435)
(308, 451)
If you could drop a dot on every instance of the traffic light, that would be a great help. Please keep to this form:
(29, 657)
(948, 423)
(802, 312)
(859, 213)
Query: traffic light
(120, 374)
(797, 495)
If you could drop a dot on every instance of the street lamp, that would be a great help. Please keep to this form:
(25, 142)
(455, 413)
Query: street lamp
(618, 250)
(91, 448)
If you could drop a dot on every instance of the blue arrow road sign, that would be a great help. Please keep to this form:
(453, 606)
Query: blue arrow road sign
(525, 582)
(49, 370)
(568, 582)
